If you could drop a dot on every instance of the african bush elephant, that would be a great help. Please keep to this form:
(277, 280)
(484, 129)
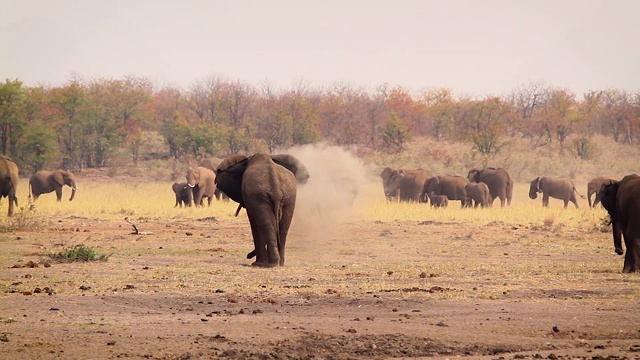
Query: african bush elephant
(265, 185)
(593, 187)
(202, 182)
(438, 200)
(452, 186)
(184, 194)
(555, 187)
(622, 201)
(407, 184)
(9, 181)
(44, 181)
(212, 163)
(498, 180)
(478, 194)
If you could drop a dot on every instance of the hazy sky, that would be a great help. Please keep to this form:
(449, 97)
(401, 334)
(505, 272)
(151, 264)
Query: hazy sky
(474, 47)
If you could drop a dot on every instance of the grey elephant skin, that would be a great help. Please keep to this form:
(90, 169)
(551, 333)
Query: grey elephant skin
(45, 181)
(203, 184)
(452, 186)
(556, 187)
(183, 193)
(265, 185)
(212, 163)
(478, 194)
(622, 201)
(406, 184)
(9, 182)
(594, 185)
(498, 180)
(438, 201)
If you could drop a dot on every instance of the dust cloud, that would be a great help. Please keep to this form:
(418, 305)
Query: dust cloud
(338, 181)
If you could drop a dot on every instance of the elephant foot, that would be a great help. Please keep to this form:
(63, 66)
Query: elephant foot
(264, 264)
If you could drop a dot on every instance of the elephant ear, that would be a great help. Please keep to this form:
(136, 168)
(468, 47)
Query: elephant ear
(229, 176)
(294, 165)
(608, 195)
(58, 177)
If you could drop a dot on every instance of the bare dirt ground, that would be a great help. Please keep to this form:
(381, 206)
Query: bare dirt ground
(372, 290)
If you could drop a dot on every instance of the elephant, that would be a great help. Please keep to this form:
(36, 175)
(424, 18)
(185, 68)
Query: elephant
(405, 183)
(593, 187)
(212, 163)
(453, 186)
(9, 182)
(184, 194)
(202, 182)
(438, 200)
(621, 199)
(555, 187)
(44, 181)
(498, 180)
(265, 185)
(478, 193)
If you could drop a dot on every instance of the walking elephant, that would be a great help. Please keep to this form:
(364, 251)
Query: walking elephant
(593, 188)
(202, 182)
(212, 163)
(44, 182)
(478, 194)
(407, 184)
(622, 201)
(498, 180)
(9, 182)
(453, 186)
(555, 187)
(438, 200)
(265, 185)
(184, 194)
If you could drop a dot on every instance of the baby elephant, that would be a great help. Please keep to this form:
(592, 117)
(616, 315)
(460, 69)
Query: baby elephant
(438, 200)
(478, 194)
(184, 194)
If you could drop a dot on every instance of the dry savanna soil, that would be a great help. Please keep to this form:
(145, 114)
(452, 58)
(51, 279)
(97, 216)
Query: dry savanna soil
(376, 280)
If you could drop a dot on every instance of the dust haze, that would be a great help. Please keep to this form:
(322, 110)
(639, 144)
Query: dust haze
(338, 184)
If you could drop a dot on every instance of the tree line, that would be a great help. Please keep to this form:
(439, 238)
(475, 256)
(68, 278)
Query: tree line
(84, 123)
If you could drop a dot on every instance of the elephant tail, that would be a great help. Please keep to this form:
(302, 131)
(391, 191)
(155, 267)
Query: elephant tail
(576, 191)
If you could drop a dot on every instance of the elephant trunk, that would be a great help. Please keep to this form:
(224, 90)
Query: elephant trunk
(73, 190)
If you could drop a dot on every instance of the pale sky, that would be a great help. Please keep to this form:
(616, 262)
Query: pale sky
(474, 47)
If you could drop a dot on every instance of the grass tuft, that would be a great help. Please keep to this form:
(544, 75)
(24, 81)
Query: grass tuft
(77, 253)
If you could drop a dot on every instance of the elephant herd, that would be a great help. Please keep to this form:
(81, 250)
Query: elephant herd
(479, 188)
(621, 199)
(41, 182)
(266, 185)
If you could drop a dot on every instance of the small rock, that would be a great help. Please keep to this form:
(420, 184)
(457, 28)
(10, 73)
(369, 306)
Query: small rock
(111, 343)
(555, 329)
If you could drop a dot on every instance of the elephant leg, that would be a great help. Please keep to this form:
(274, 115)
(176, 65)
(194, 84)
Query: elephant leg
(285, 223)
(59, 193)
(263, 228)
(632, 256)
(545, 200)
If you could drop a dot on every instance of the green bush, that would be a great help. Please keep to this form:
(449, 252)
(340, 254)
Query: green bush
(77, 253)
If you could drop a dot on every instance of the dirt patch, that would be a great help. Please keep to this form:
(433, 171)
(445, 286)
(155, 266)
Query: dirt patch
(371, 290)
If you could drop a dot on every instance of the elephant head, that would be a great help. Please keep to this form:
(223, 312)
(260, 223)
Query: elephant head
(389, 190)
(474, 175)
(608, 195)
(64, 177)
(535, 187)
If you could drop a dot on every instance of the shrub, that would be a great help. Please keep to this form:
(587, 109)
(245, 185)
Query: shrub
(78, 253)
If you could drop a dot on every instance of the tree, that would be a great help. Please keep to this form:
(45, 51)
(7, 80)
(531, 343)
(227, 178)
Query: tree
(11, 122)
(395, 134)
(67, 102)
